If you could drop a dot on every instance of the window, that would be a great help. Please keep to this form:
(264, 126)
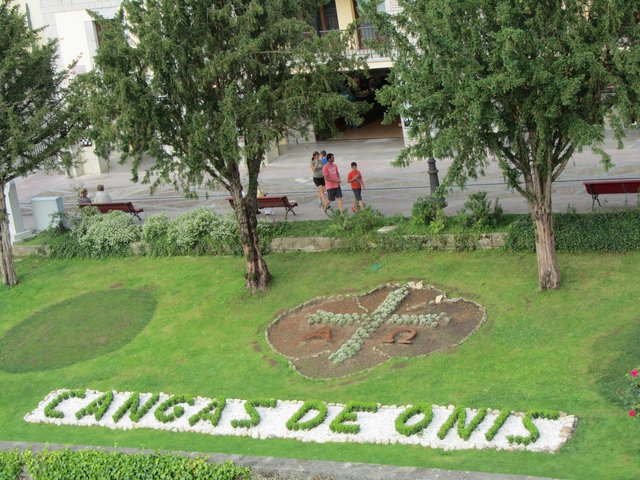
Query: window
(327, 17)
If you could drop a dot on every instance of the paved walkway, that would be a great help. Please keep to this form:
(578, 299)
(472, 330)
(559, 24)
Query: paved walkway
(389, 189)
(292, 469)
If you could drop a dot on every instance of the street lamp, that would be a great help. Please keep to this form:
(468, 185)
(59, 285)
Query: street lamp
(434, 182)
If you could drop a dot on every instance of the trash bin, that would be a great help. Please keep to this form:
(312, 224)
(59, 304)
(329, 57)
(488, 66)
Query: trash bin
(42, 208)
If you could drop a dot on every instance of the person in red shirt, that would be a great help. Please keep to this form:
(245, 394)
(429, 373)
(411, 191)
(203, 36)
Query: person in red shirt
(357, 184)
(332, 181)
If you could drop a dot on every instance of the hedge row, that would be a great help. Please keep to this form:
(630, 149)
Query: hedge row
(617, 231)
(200, 231)
(92, 464)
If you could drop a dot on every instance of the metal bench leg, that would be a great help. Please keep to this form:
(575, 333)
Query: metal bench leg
(595, 199)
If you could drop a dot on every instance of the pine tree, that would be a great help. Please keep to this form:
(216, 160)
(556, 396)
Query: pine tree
(527, 82)
(202, 87)
(38, 123)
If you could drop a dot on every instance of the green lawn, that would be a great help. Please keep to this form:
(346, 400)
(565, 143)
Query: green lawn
(566, 350)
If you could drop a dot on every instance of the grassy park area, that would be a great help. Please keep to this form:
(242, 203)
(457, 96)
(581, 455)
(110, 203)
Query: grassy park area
(186, 325)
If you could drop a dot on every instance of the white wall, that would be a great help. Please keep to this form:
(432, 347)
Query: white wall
(69, 22)
(77, 39)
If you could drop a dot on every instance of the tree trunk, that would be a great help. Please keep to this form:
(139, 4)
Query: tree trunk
(548, 273)
(7, 266)
(257, 275)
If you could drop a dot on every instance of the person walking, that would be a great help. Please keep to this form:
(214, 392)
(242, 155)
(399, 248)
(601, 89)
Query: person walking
(318, 179)
(323, 157)
(357, 184)
(332, 182)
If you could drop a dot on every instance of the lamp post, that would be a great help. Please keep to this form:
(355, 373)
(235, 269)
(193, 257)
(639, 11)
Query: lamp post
(434, 182)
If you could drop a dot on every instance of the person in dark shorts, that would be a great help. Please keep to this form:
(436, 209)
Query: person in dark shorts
(332, 181)
(357, 184)
(318, 179)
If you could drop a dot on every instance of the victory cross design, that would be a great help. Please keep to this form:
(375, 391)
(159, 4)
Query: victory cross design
(385, 313)
(335, 336)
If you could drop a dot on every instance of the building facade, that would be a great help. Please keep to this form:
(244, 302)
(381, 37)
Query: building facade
(78, 37)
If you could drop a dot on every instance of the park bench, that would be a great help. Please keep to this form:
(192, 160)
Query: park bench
(122, 206)
(605, 187)
(273, 201)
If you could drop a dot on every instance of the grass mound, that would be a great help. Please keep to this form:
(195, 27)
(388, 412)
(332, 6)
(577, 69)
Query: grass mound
(76, 329)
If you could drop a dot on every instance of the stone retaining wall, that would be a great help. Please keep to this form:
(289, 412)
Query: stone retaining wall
(450, 241)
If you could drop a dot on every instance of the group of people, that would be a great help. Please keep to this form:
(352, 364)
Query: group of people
(327, 179)
(100, 197)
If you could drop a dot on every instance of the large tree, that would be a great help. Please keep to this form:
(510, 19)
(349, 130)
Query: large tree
(525, 82)
(37, 120)
(203, 86)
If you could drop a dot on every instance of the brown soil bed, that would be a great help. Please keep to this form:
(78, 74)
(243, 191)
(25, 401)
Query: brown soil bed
(308, 346)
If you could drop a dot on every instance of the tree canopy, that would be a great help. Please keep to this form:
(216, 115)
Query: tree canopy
(525, 83)
(38, 121)
(204, 87)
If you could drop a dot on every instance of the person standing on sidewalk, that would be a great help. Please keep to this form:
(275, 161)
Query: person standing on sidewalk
(332, 182)
(357, 184)
(318, 179)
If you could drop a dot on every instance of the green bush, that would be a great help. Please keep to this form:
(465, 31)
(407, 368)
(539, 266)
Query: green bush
(478, 212)
(425, 209)
(154, 236)
(110, 235)
(91, 464)
(201, 231)
(358, 230)
(90, 234)
(616, 231)
(10, 465)
(350, 414)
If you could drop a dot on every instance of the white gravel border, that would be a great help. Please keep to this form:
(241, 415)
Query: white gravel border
(376, 427)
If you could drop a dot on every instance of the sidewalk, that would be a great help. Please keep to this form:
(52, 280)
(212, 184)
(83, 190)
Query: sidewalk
(389, 189)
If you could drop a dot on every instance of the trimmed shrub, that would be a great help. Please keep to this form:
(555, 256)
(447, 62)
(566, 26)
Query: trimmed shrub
(91, 464)
(616, 231)
(10, 465)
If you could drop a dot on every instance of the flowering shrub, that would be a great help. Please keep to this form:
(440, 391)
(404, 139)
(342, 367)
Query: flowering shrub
(110, 234)
(154, 235)
(632, 394)
(90, 234)
(200, 232)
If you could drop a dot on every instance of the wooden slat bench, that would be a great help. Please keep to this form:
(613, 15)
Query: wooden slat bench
(605, 187)
(121, 206)
(273, 201)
